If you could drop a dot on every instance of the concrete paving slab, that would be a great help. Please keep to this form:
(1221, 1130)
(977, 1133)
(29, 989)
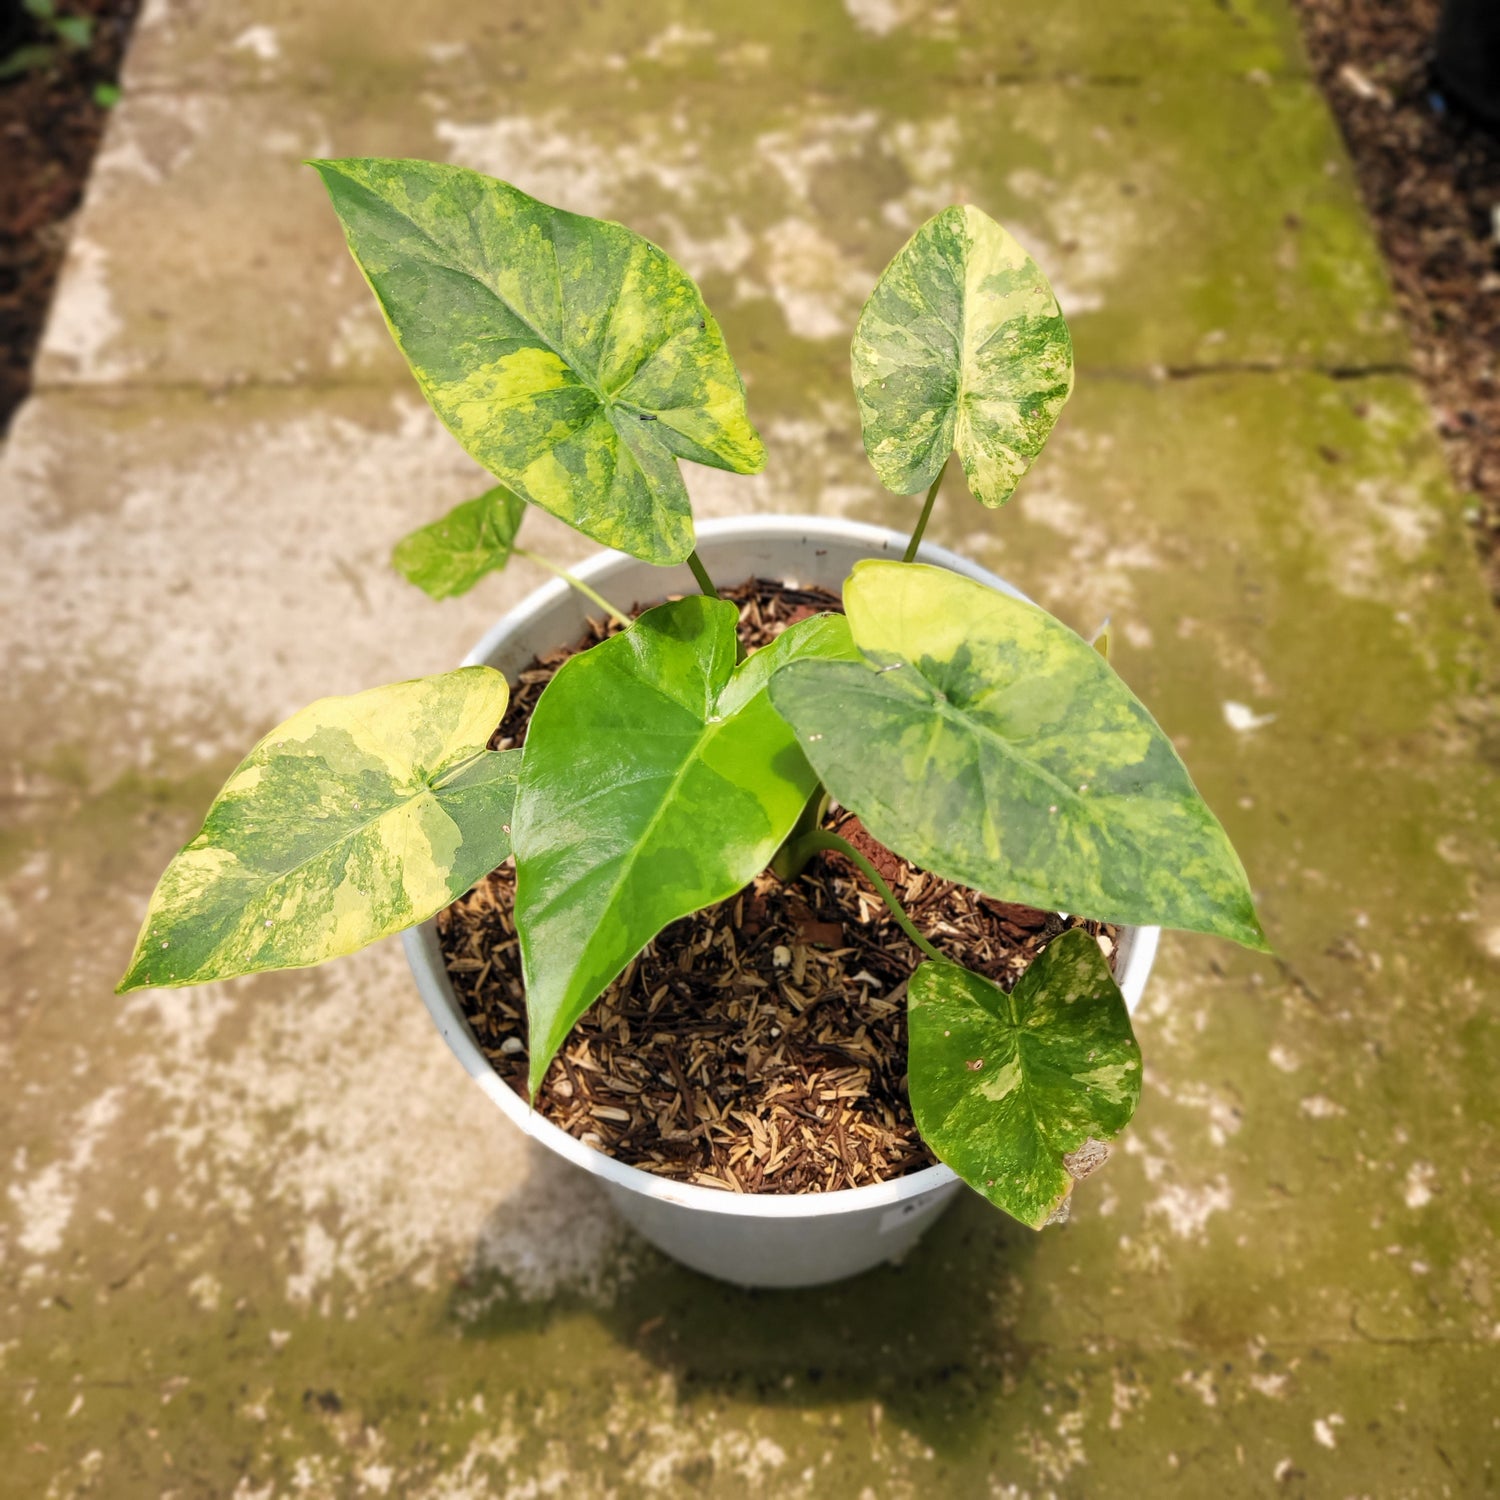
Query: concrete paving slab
(821, 45)
(1198, 220)
(263, 1239)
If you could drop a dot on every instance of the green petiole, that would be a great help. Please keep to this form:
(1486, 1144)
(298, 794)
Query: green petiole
(916, 536)
(573, 582)
(700, 573)
(799, 853)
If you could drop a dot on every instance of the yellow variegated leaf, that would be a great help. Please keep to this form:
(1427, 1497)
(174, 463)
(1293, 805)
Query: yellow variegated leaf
(574, 359)
(1019, 1093)
(961, 348)
(356, 818)
(983, 740)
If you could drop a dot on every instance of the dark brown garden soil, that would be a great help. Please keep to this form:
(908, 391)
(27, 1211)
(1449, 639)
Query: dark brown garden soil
(50, 124)
(760, 1045)
(1430, 177)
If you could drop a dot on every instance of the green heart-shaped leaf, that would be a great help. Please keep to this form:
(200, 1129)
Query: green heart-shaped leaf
(574, 359)
(450, 556)
(657, 780)
(961, 347)
(356, 818)
(985, 741)
(1018, 1093)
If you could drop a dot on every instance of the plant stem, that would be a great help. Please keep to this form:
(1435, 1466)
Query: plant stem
(916, 536)
(705, 583)
(789, 860)
(576, 583)
(821, 839)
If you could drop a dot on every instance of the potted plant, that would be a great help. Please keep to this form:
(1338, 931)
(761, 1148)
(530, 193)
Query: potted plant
(955, 728)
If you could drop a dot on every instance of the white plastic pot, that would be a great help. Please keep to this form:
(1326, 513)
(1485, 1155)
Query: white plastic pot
(762, 1239)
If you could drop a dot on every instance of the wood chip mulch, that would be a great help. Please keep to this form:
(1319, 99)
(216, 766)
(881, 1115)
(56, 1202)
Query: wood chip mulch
(759, 1045)
(1430, 178)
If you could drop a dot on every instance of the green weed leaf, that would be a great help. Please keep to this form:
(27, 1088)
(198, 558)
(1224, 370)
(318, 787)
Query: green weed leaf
(961, 348)
(450, 556)
(356, 818)
(569, 356)
(76, 31)
(30, 59)
(657, 779)
(985, 741)
(1020, 1093)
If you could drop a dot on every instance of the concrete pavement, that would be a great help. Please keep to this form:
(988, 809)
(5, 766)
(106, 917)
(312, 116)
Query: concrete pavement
(264, 1239)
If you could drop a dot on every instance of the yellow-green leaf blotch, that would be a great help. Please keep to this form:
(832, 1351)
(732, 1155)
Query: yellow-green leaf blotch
(571, 357)
(356, 818)
(985, 741)
(1019, 1093)
(657, 780)
(451, 555)
(961, 348)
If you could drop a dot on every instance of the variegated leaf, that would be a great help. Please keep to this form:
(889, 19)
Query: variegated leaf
(658, 779)
(985, 741)
(961, 348)
(574, 359)
(450, 556)
(1019, 1093)
(356, 818)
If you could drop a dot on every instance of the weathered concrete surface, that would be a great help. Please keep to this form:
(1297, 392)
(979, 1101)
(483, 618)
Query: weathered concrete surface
(263, 1239)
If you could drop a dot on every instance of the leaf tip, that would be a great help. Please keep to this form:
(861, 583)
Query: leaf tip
(331, 168)
(1255, 938)
(1240, 922)
(132, 979)
(535, 1077)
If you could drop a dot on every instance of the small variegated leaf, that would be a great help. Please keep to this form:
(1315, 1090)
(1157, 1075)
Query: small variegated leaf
(356, 818)
(983, 740)
(450, 556)
(658, 779)
(961, 348)
(574, 359)
(1019, 1092)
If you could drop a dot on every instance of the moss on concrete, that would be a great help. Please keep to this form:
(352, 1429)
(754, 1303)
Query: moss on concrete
(1176, 176)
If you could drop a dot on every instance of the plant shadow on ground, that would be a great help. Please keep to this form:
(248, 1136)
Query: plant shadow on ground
(928, 1341)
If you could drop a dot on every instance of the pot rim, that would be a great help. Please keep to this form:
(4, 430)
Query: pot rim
(424, 953)
(599, 565)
